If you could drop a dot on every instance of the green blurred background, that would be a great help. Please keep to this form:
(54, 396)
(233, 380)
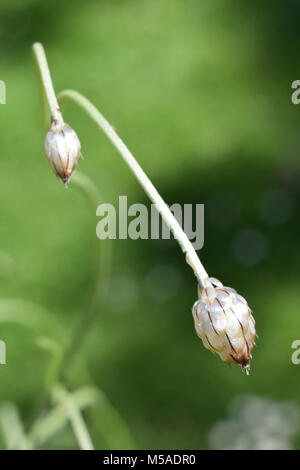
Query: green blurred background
(200, 92)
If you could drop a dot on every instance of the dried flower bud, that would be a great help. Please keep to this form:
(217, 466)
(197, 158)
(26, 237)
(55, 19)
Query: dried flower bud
(224, 322)
(62, 148)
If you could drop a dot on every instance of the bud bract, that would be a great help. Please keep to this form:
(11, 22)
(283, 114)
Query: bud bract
(224, 322)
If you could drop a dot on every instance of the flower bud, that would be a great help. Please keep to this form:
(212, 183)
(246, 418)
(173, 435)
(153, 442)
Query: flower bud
(62, 148)
(224, 322)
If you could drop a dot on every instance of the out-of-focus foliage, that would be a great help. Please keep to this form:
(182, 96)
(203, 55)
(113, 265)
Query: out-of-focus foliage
(256, 423)
(200, 91)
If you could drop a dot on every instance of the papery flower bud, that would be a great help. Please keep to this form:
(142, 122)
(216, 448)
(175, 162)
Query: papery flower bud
(62, 148)
(224, 322)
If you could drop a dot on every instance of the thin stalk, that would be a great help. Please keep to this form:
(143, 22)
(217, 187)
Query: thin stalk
(185, 244)
(102, 260)
(45, 79)
(102, 257)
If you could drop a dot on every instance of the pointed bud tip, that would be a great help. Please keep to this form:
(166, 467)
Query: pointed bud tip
(65, 179)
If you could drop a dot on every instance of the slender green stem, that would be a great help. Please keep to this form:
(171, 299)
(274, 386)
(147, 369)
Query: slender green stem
(185, 244)
(102, 257)
(45, 79)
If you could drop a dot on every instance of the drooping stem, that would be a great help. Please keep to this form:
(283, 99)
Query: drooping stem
(46, 80)
(102, 257)
(185, 244)
(102, 260)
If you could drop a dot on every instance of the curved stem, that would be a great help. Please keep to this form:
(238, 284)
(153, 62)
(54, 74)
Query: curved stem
(185, 244)
(90, 190)
(45, 78)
